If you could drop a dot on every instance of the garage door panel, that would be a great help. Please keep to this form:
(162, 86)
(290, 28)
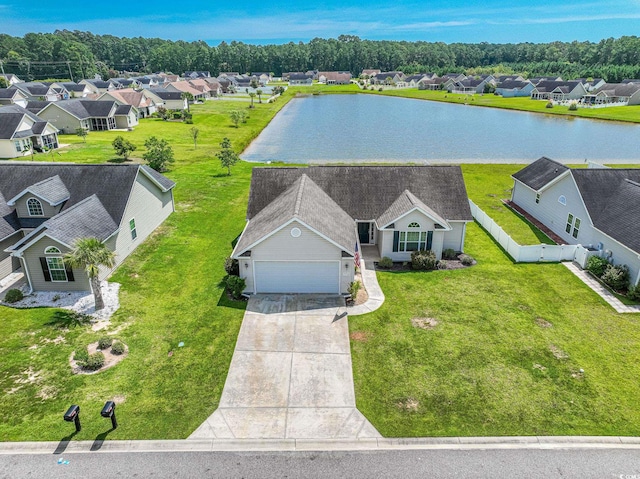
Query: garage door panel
(297, 277)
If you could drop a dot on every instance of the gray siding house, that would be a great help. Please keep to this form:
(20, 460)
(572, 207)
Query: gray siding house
(304, 224)
(595, 207)
(45, 208)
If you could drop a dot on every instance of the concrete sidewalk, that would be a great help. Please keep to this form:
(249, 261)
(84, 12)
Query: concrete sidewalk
(370, 282)
(291, 375)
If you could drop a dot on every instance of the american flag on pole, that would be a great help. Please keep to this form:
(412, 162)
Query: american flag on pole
(356, 258)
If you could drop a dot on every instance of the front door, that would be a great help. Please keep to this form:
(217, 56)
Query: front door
(363, 232)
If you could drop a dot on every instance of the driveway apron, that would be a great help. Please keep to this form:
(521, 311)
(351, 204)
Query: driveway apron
(291, 374)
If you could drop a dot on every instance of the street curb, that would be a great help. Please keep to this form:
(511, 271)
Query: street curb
(302, 445)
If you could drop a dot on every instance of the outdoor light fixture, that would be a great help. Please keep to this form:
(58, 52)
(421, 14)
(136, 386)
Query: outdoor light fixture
(73, 415)
(109, 410)
(346, 266)
(246, 265)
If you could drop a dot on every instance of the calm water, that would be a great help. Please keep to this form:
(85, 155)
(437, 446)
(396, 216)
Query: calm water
(348, 128)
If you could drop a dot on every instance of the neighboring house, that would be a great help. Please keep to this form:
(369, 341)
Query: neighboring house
(194, 75)
(45, 208)
(37, 91)
(435, 83)
(21, 131)
(69, 115)
(334, 78)
(300, 79)
(304, 223)
(413, 81)
(184, 87)
(263, 77)
(594, 207)
(142, 101)
(514, 88)
(504, 78)
(536, 80)
(388, 78)
(74, 90)
(368, 73)
(215, 87)
(614, 93)
(172, 100)
(11, 78)
(591, 85)
(13, 96)
(558, 90)
(97, 86)
(468, 85)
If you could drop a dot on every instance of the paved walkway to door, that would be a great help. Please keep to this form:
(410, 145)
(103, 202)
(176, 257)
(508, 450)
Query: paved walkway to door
(291, 374)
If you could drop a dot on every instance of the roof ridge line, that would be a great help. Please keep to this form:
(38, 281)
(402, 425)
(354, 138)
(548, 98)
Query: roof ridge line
(634, 183)
(296, 208)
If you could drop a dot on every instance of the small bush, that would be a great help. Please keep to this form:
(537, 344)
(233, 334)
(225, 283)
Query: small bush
(573, 106)
(466, 260)
(442, 264)
(235, 286)
(177, 115)
(549, 104)
(188, 121)
(104, 342)
(13, 296)
(617, 277)
(449, 253)
(423, 260)
(385, 263)
(231, 266)
(597, 266)
(634, 292)
(95, 361)
(354, 287)
(81, 356)
(117, 347)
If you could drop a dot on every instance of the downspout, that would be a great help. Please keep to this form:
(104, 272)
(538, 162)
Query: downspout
(464, 233)
(26, 271)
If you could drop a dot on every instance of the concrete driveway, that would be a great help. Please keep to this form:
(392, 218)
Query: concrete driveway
(291, 375)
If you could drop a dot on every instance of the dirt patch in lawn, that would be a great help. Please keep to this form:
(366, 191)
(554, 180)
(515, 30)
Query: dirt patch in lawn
(110, 359)
(543, 323)
(360, 336)
(424, 323)
(557, 352)
(408, 405)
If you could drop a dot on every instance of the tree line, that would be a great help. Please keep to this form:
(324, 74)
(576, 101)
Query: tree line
(80, 54)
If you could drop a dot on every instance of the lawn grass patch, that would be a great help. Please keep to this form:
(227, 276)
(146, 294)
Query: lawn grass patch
(489, 368)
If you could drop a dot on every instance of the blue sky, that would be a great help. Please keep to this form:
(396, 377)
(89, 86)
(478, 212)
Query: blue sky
(263, 22)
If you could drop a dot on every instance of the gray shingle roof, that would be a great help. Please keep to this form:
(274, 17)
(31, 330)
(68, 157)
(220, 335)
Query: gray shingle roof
(7, 92)
(306, 202)
(36, 106)
(167, 95)
(366, 192)
(10, 118)
(405, 203)
(84, 109)
(165, 183)
(8, 220)
(9, 123)
(123, 109)
(50, 189)
(540, 172)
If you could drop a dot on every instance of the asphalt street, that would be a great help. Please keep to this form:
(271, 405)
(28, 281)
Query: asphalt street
(479, 463)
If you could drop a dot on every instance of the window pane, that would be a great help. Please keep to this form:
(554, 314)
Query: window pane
(423, 236)
(402, 234)
(413, 236)
(577, 225)
(575, 232)
(570, 218)
(412, 246)
(568, 228)
(56, 269)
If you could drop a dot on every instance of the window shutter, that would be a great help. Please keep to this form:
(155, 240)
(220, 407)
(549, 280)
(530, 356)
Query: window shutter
(396, 240)
(45, 269)
(429, 239)
(69, 271)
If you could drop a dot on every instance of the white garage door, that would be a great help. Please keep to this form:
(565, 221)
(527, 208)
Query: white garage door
(297, 277)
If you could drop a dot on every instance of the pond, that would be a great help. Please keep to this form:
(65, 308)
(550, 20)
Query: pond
(371, 128)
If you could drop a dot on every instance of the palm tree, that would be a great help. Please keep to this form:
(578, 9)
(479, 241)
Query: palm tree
(259, 93)
(90, 254)
(252, 95)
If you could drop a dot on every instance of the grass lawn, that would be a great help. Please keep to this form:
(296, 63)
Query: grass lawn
(170, 293)
(490, 367)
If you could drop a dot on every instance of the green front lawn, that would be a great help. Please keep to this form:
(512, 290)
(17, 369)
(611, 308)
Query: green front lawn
(488, 367)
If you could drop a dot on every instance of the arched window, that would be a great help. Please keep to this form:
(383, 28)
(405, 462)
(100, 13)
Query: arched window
(35, 207)
(52, 250)
(414, 225)
(562, 200)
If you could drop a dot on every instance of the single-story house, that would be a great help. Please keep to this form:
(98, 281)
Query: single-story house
(11, 78)
(593, 84)
(536, 80)
(387, 78)
(172, 100)
(142, 100)
(45, 208)
(369, 72)
(615, 93)
(13, 96)
(334, 78)
(514, 88)
(594, 207)
(69, 115)
(300, 79)
(97, 86)
(21, 131)
(37, 91)
(73, 90)
(185, 87)
(304, 223)
(195, 74)
(503, 78)
(558, 90)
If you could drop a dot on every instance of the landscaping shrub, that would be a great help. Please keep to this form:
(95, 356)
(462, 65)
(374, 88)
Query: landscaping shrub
(466, 260)
(597, 266)
(634, 292)
(95, 361)
(231, 266)
(449, 253)
(235, 286)
(442, 264)
(549, 104)
(117, 347)
(573, 106)
(385, 263)
(617, 277)
(423, 260)
(104, 342)
(81, 356)
(13, 296)
(354, 287)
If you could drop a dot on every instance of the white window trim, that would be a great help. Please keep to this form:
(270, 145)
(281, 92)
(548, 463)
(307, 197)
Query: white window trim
(134, 229)
(66, 278)
(562, 200)
(402, 243)
(29, 209)
(57, 250)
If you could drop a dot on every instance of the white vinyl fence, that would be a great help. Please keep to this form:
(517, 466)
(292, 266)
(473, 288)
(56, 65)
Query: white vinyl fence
(523, 254)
